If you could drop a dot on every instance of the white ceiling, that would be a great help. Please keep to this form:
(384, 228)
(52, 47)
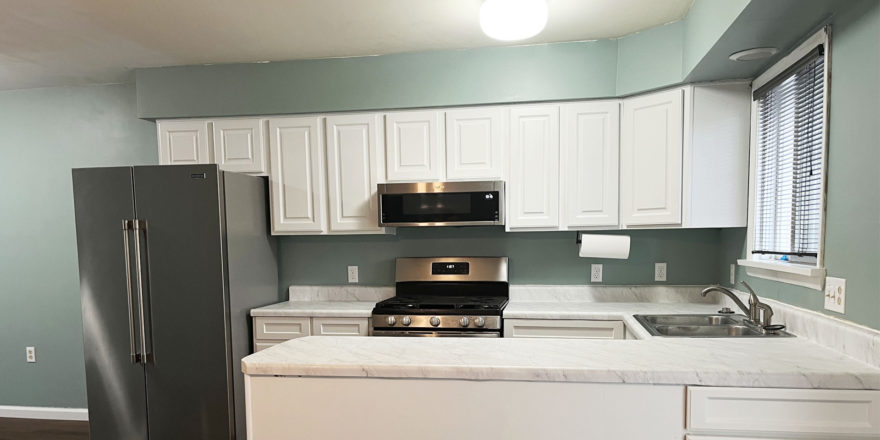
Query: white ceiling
(62, 42)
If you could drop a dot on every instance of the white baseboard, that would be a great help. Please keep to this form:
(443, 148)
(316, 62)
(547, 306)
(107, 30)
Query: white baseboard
(45, 413)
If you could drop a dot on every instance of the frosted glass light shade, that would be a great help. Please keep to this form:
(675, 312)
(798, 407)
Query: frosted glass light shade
(511, 20)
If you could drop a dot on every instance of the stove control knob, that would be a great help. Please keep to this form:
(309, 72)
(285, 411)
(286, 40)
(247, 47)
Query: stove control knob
(479, 321)
(435, 321)
(405, 320)
(464, 321)
(391, 321)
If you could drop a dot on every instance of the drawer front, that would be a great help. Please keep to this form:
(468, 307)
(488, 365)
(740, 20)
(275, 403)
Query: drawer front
(563, 328)
(263, 345)
(281, 328)
(790, 411)
(340, 326)
(713, 437)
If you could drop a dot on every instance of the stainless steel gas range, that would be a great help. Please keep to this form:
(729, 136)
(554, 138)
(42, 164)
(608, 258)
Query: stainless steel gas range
(445, 296)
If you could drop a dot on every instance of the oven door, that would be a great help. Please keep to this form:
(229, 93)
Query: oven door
(441, 204)
(437, 334)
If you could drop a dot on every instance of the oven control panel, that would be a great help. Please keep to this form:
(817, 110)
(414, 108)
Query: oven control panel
(450, 268)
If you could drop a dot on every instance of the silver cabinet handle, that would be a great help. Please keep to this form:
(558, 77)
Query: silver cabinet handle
(135, 357)
(141, 225)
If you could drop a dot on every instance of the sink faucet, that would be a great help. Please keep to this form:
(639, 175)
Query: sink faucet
(759, 313)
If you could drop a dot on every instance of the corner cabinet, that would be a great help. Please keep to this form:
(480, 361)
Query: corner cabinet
(533, 185)
(651, 136)
(352, 173)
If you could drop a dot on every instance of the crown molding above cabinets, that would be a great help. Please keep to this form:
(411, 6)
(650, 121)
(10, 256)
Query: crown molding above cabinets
(677, 158)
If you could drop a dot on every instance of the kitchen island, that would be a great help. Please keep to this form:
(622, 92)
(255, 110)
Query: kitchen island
(659, 388)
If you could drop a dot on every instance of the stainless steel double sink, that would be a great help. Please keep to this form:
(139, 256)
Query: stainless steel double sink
(705, 326)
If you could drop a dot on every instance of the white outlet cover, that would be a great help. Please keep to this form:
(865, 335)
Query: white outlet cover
(352, 274)
(659, 271)
(30, 354)
(596, 273)
(732, 274)
(835, 294)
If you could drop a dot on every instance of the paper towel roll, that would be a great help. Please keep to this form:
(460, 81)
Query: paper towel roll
(604, 246)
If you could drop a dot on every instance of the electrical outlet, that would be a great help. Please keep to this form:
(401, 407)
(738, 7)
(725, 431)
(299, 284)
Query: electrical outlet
(659, 271)
(596, 273)
(835, 294)
(352, 274)
(732, 274)
(30, 354)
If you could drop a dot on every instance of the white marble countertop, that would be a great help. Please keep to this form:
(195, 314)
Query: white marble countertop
(339, 309)
(777, 363)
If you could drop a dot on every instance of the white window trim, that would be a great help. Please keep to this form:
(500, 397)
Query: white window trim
(807, 275)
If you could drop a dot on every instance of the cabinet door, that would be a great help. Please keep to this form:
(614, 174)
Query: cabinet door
(281, 328)
(650, 156)
(475, 144)
(414, 146)
(183, 142)
(352, 142)
(533, 196)
(340, 326)
(296, 180)
(589, 160)
(563, 328)
(239, 145)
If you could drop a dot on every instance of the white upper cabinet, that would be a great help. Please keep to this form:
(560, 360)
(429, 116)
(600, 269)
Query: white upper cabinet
(589, 164)
(352, 170)
(183, 142)
(297, 182)
(414, 146)
(239, 145)
(651, 142)
(533, 186)
(475, 139)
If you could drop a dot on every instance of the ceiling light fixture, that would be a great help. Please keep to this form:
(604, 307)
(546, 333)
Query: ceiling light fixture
(512, 20)
(758, 53)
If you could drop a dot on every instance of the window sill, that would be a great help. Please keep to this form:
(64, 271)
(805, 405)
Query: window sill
(792, 273)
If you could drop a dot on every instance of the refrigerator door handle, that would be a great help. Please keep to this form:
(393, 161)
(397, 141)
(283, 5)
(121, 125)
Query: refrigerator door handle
(126, 227)
(141, 225)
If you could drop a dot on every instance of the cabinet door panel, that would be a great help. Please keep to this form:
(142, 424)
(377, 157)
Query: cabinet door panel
(534, 167)
(183, 142)
(414, 149)
(351, 166)
(589, 158)
(340, 326)
(651, 159)
(239, 145)
(475, 144)
(563, 328)
(297, 178)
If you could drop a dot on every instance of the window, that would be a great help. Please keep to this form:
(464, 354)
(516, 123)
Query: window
(789, 149)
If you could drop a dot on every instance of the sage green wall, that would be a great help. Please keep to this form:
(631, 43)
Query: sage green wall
(650, 59)
(46, 132)
(852, 223)
(420, 79)
(704, 24)
(535, 257)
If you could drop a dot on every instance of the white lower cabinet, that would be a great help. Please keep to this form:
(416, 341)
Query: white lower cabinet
(563, 328)
(273, 330)
(790, 413)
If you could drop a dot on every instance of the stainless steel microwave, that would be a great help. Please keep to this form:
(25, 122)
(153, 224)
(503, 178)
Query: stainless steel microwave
(441, 203)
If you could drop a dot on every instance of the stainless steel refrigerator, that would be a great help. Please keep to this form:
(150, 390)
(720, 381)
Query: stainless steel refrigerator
(171, 258)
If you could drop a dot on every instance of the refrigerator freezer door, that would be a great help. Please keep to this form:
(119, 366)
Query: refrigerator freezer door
(114, 383)
(189, 376)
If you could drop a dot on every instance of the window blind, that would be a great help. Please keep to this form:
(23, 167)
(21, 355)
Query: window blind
(790, 143)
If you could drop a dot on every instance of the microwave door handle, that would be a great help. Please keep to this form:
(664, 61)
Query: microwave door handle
(126, 227)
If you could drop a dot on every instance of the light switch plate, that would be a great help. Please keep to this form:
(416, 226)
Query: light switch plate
(659, 271)
(596, 273)
(835, 294)
(352, 274)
